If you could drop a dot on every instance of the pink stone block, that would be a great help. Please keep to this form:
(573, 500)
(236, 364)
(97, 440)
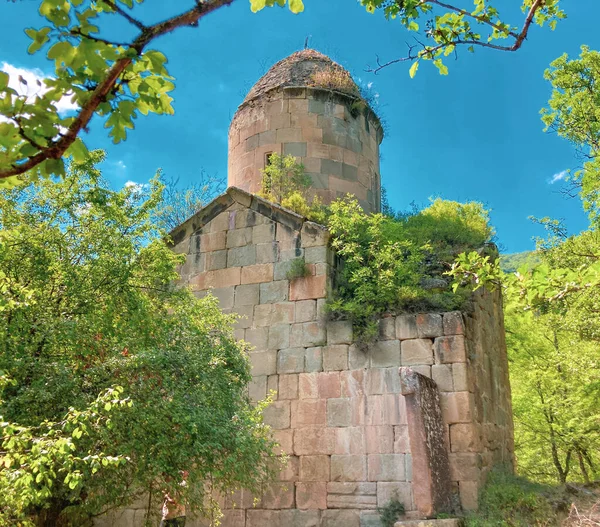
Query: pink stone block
(288, 387)
(311, 287)
(278, 496)
(308, 412)
(348, 467)
(379, 439)
(255, 274)
(310, 441)
(352, 383)
(450, 349)
(314, 468)
(349, 440)
(311, 495)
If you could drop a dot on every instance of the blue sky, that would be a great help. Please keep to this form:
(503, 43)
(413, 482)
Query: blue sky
(472, 135)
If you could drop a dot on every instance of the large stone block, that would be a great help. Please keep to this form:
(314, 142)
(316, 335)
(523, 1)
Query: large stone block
(263, 233)
(277, 415)
(257, 337)
(311, 495)
(308, 334)
(429, 325)
(287, 386)
(465, 466)
(263, 362)
(246, 295)
(339, 332)
(300, 518)
(350, 495)
(308, 412)
(239, 237)
(401, 439)
(442, 376)
(283, 313)
(453, 323)
(386, 467)
(241, 256)
(306, 311)
(457, 407)
(339, 412)
(340, 518)
(387, 328)
(216, 279)
(385, 353)
(255, 274)
(402, 491)
(465, 437)
(313, 359)
(406, 327)
(379, 439)
(213, 242)
(450, 349)
(279, 337)
(350, 440)
(267, 252)
(335, 357)
(417, 351)
(262, 518)
(290, 360)
(348, 468)
(311, 441)
(314, 468)
(311, 287)
(273, 292)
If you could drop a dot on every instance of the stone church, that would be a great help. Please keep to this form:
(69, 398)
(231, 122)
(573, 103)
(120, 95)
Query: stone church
(424, 412)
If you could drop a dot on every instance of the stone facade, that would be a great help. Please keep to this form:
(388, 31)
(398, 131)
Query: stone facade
(331, 133)
(338, 411)
(354, 428)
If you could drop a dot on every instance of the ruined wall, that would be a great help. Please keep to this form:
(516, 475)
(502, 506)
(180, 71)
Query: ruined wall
(339, 150)
(339, 413)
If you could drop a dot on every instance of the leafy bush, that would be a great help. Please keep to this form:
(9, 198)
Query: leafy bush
(283, 177)
(391, 512)
(398, 263)
(298, 269)
(512, 501)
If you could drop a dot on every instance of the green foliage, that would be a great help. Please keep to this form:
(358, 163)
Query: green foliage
(397, 264)
(555, 396)
(510, 263)
(298, 269)
(449, 27)
(574, 113)
(89, 305)
(512, 501)
(390, 513)
(285, 182)
(283, 177)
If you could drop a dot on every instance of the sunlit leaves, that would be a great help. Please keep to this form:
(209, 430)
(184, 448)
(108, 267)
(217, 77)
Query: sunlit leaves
(87, 305)
(295, 6)
(451, 25)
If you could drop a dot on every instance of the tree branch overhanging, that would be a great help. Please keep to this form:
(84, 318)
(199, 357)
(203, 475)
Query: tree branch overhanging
(57, 148)
(429, 51)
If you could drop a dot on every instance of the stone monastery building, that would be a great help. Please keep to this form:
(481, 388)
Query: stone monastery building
(424, 413)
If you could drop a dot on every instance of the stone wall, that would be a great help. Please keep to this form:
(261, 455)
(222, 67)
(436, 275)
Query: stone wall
(338, 147)
(338, 411)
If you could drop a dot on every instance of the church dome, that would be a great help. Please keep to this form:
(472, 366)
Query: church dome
(305, 68)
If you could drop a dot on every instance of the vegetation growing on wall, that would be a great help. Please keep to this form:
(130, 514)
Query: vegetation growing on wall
(391, 262)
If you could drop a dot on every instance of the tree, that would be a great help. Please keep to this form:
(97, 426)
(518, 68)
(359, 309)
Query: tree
(119, 80)
(114, 380)
(553, 322)
(180, 203)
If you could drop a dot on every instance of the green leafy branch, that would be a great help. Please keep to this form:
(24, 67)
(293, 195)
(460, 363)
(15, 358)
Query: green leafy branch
(451, 26)
(114, 79)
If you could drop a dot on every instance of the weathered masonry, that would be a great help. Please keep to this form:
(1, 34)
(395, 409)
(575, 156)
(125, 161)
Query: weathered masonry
(420, 415)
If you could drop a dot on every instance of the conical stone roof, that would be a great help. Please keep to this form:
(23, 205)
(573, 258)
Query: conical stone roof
(307, 67)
